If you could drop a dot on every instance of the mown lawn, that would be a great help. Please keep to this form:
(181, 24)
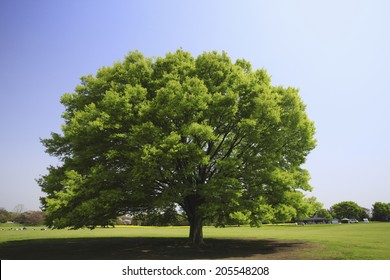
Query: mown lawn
(346, 241)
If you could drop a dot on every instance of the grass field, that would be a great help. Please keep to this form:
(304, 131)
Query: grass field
(345, 241)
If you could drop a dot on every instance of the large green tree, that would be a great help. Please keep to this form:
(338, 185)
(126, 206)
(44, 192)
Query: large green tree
(348, 209)
(205, 134)
(381, 211)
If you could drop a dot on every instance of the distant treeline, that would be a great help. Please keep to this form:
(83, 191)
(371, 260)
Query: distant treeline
(381, 212)
(347, 209)
(27, 218)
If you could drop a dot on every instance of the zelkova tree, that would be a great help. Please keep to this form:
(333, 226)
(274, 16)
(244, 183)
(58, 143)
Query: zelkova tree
(348, 209)
(381, 211)
(212, 137)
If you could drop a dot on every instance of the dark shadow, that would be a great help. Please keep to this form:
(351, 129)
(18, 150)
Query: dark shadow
(148, 249)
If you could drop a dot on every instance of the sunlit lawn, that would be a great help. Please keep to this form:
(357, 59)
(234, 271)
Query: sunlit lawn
(346, 241)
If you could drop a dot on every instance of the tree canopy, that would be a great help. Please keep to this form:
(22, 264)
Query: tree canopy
(348, 209)
(210, 136)
(381, 211)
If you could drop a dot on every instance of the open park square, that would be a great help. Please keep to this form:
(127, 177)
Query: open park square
(269, 242)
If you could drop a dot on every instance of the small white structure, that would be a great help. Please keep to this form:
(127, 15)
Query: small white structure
(366, 220)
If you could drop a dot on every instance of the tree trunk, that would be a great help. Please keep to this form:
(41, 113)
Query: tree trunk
(196, 231)
(195, 218)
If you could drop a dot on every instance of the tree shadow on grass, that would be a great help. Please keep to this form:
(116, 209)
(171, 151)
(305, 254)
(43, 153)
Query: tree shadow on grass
(149, 249)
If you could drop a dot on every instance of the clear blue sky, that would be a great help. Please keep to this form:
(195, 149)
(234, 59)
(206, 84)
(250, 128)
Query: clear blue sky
(336, 52)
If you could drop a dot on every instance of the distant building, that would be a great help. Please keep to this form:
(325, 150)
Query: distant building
(335, 221)
(317, 220)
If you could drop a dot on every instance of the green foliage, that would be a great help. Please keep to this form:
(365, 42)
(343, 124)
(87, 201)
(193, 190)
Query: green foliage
(27, 218)
(4, 215)
(30, 218)
(212, 136)
(313, 208)
(323, 213)
(348, 209)
(239, 218)
(160, 217)
(381, 211)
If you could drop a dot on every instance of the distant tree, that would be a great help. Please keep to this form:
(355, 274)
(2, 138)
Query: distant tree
(380, 211)
(314, 205)
(19, 209)
(160, 217)
(4, 215)
(324, 213)
(348, 209)
(31, 218)
(239, 218)
(300, 208)
(207, 134)
(316, 209)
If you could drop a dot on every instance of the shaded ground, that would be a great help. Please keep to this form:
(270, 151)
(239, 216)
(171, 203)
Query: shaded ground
(152, 249)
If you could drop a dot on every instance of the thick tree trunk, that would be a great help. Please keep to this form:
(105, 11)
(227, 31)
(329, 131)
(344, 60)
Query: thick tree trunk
(196, 231)
(195, 218)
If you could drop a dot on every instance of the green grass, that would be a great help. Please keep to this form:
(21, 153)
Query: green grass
(346, 241)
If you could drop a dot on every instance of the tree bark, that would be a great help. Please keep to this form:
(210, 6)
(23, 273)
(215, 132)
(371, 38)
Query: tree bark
(195, 218)
(196, 231)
